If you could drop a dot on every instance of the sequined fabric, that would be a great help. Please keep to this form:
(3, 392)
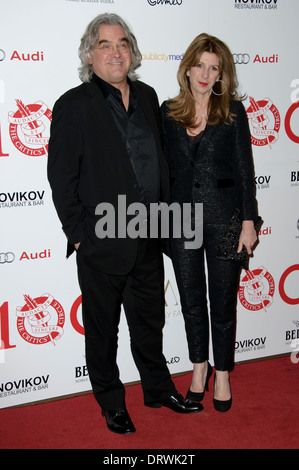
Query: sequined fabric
(215, 170)
(221, 285)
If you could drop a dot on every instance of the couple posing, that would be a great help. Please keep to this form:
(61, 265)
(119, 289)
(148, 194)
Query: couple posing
(108, 139)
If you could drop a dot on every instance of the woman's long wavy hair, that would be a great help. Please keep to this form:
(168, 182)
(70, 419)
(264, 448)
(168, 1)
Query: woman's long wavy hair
(91, 38)
(182, 107)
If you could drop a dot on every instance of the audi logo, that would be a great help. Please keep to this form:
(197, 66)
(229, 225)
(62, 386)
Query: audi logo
(2, 55)
(6, 257)
(241, 58)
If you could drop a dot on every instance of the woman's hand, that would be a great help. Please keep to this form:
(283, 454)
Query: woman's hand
(248, 236)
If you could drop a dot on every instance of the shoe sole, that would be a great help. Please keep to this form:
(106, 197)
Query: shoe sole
(185, 412)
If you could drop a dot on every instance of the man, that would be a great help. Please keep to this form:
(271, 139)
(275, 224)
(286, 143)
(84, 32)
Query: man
(105, 142)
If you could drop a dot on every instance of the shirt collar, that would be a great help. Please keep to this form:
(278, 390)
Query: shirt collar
(108, 89)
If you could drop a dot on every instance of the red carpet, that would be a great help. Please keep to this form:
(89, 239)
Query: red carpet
(264, 415)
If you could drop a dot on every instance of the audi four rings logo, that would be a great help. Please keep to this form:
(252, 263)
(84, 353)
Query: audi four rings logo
(2, 55)
(6, 257)
(241, 58)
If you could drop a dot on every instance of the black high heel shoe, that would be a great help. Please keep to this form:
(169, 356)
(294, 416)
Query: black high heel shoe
(198, 396)
(222, 405)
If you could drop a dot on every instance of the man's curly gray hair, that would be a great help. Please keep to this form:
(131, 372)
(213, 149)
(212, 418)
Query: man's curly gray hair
(91, 37)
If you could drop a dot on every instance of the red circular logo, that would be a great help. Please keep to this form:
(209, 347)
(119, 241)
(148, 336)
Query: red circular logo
(281, 287)
(40, 320)
(264, 121)
(257, 289)
(287, 122)
(29, 128)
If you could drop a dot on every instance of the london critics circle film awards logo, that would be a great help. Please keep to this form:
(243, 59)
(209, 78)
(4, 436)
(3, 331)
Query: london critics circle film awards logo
(40, 320)
(29, 128)
(264, 121)
(257, 289)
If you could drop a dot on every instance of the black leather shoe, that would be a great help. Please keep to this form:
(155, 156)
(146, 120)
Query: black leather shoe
(198, 396)
(177, 403)
(222, 405)
(119, 421)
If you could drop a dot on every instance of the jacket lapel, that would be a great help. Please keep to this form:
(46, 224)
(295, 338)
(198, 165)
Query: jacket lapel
(152, 118)
(149, 114)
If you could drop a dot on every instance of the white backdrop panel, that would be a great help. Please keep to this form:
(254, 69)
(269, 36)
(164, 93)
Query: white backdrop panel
(38, 62)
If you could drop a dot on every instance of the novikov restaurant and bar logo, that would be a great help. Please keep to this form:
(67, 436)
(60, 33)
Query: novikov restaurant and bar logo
(22, 198)
(256, 4)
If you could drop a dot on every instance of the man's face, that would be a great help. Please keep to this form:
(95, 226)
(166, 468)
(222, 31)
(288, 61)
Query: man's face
(111, 65)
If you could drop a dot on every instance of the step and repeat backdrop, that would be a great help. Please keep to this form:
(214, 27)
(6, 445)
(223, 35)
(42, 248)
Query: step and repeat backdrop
(42, 338)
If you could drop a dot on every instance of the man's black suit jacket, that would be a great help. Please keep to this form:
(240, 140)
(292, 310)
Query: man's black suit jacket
(88, 164)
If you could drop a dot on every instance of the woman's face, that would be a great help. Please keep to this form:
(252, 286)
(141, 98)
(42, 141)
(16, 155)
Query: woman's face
(204, 75)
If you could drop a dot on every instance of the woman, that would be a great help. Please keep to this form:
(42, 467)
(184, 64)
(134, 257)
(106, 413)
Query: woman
(207, 143)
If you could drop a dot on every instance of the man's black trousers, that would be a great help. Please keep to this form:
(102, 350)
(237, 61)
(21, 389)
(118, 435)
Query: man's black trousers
(141, 292)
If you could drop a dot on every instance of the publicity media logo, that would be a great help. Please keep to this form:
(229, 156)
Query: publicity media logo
(40, 320)
(29, 128)
(264, 121)
(256, 289)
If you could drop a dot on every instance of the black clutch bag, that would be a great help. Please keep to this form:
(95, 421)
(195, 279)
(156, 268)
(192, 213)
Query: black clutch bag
(228, 246)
